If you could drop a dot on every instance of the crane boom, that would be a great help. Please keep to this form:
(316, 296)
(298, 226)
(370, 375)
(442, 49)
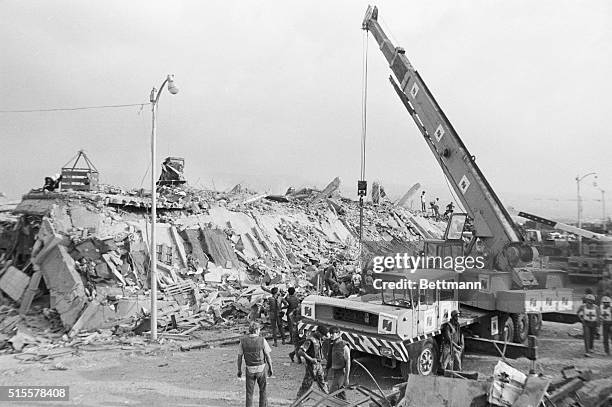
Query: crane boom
(492, 223)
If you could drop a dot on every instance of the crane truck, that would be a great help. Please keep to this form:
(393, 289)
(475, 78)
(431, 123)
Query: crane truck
(402, 321)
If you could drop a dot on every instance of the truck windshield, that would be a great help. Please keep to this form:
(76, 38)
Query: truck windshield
(403, 298)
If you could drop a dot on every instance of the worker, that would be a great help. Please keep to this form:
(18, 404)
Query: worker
(452, 343)
(450, 208)
(588, 313)
(275, 303)
(293, 303)
(338, 363)
(356, 282)
(256, 353)
(52, 183)
(436, 208)
(423, 202)
(312, 352)
(331, 278)
(605, 312)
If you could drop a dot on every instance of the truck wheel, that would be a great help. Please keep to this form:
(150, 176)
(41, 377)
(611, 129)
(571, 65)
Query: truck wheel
(535, 323)
(521, 327)
(507, 330)
(426, 361)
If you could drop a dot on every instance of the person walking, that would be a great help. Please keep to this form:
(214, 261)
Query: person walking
(293, 305)
(275, 303)
(588, 313)
(452, 343)
(605, 311)
(256, 353)
(338, 363)
(312, 352)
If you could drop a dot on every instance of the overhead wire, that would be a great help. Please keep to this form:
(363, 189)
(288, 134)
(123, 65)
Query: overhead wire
(65, 109)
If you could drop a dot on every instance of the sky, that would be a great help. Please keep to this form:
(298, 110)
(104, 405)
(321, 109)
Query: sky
(270, 93)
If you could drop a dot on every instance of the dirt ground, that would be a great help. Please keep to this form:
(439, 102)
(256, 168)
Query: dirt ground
(162, 375)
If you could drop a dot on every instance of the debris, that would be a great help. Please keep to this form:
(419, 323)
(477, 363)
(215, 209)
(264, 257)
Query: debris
(14, 282)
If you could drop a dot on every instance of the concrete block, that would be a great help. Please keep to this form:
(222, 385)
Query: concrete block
(14, 282)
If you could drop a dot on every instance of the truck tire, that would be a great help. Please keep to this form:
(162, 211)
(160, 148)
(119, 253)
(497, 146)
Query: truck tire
(521, 327)
(426, 361)
(535, 323)
(507, 329)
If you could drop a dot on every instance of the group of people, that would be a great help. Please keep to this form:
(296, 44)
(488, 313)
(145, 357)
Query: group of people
(595, 312)
(434, 207)
(255, 351)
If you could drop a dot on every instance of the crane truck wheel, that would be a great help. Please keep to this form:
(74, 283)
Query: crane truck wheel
(424, 362)
(535, 323)
(521, 327)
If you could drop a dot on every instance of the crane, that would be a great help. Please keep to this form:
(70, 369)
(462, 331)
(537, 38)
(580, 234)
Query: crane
(492, 223)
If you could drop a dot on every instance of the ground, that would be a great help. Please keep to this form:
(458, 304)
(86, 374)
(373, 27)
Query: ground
(162, 375)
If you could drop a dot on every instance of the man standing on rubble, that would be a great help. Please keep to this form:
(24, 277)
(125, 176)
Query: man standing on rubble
(256, 353)
(423, 203)
(312, 351)
(452, 345)
(275, 304)
(338, 363)
(589, 316)
(605, 312)
(331, 278)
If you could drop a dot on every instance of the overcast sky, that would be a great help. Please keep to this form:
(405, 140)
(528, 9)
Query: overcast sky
(270, 91)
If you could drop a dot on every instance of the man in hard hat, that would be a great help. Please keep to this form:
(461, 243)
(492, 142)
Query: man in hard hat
(452, 343)
(605, 312)
(589, 316)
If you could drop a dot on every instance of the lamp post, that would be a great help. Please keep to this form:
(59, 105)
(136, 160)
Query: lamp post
(154, 98)
(578, 179)
(604, 223)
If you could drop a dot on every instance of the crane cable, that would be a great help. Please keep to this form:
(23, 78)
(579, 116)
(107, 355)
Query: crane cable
(364, 106)
(364, 111)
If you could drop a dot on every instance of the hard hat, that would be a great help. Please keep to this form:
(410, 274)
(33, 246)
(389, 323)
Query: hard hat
(454, 312)
(590, 297)
(605, 299)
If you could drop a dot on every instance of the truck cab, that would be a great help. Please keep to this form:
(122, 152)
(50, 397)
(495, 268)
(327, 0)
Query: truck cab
(400, 320)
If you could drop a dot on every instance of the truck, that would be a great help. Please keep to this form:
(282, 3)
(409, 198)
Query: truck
(401, 321)
(592, 258)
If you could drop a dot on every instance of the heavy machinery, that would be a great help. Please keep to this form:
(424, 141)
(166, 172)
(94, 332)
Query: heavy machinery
(592, 259)
(404, 324)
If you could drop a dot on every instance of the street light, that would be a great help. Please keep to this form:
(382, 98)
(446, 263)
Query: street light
(603, 210)
(154, 98)
(578, 179)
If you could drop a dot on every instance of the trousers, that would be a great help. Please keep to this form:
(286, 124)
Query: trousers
(607, 331)
(337, 382)
(314, 374)
(588, 333)
(277, 326)
(260, 378)
(451, 359)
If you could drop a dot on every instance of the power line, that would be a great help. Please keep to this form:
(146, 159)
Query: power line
(63, 109)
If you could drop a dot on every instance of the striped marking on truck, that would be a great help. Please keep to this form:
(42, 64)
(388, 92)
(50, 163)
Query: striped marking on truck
(371, 344)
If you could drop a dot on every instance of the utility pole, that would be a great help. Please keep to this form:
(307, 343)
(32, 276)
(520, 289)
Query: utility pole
(154, 98)
(578, 179)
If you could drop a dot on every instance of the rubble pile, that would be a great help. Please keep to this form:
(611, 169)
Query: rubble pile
(88, 251)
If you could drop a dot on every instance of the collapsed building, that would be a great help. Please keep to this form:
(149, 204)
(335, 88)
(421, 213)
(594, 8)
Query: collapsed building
(87, 250)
